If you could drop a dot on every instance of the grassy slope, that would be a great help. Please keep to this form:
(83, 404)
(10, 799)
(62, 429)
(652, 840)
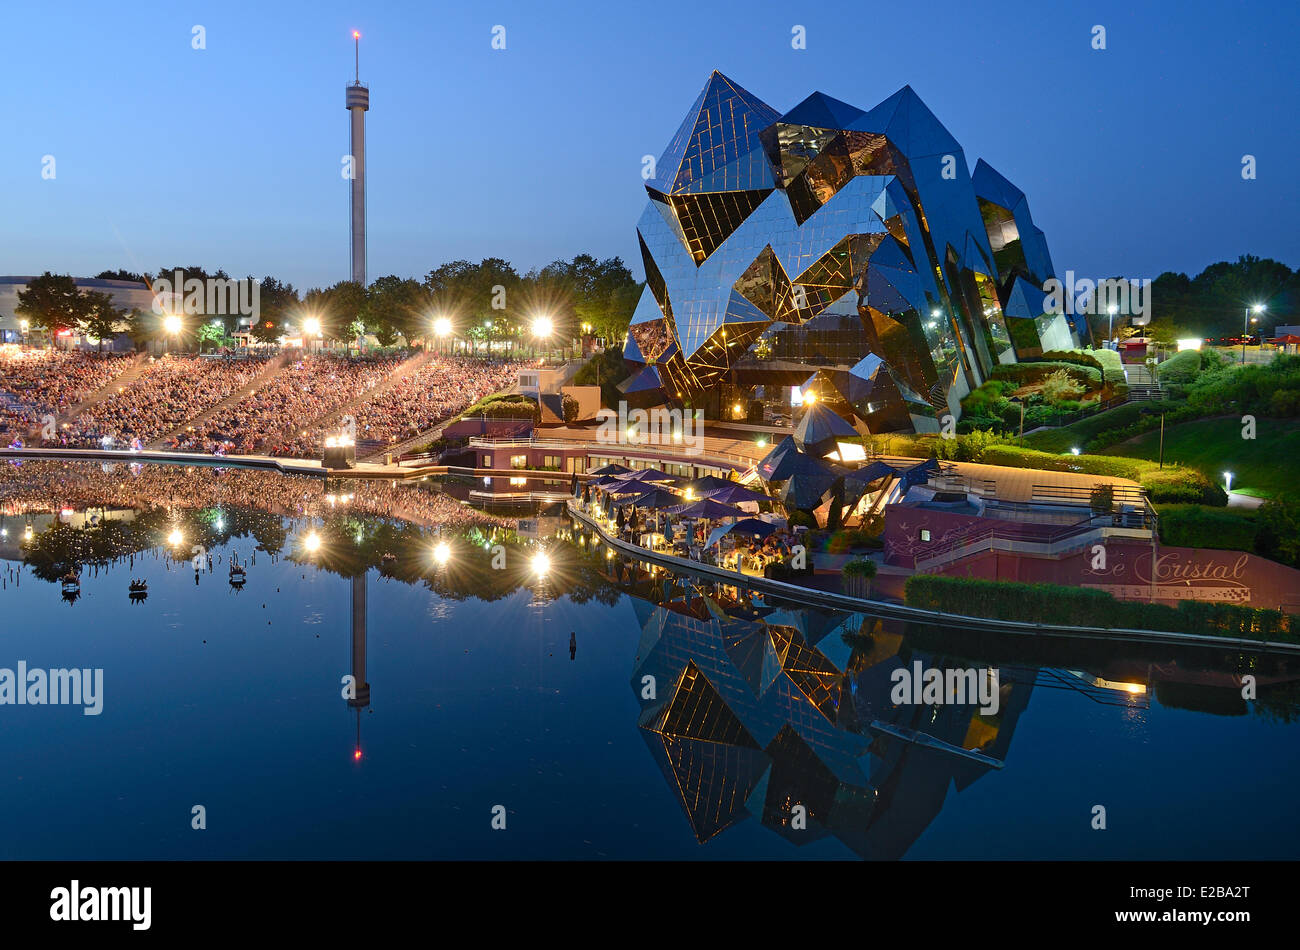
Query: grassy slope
(1261, 466)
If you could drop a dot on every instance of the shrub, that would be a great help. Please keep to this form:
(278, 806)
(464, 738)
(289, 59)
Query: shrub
(859, 567)
(1278, 529)
(1180, 368)
(1201, 526)
(1068, 606)
(1102, 498)
(846, 539)
(1061, 386)
(1037, 371)
(856, 575)
(1077, 357)
(966, 447)
(1178, 485)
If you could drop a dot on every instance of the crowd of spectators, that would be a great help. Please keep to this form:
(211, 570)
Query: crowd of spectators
(437, 391)
(38, 382)
(278, 418)
(171, 390)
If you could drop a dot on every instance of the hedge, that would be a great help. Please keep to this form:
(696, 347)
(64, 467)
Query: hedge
(1199, 526)
(1067, 606)
(1170, 485)
(1039, 370)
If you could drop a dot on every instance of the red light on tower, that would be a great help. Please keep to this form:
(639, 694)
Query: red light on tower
(356, 35)
(357, 755)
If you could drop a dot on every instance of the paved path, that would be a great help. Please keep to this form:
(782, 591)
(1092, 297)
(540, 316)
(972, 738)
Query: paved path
(1237, 500)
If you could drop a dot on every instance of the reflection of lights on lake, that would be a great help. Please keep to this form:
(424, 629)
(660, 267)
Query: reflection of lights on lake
(175, 537)
(442, 553)
(541, 563)
(356, 755)
(311, 543)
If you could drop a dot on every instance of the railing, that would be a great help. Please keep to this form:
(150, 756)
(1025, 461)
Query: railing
(1005, 537)
(648, 453)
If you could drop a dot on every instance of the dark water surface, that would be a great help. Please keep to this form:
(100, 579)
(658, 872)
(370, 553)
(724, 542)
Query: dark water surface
(533, 700)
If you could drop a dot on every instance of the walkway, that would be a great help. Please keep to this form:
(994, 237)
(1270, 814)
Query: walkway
(815, 598)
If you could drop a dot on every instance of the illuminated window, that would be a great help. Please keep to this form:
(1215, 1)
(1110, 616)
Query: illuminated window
(519, 461)
(925, 534)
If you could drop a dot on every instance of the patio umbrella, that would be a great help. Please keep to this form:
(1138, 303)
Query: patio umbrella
(734, 494)
(655, 497)
(612, 469)
(706, 508)
(752, 527)
(654, 475)
(628, 486)
(708, 483)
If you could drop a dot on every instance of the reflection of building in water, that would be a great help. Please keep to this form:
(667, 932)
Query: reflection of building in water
(361, 698)
(753, 718)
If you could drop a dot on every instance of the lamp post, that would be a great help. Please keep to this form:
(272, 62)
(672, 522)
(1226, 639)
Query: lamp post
(442, 328)
(172, 326)
(1257, 308)
(543, 327)
(311, 329)
(1110, 322)
(23, 325)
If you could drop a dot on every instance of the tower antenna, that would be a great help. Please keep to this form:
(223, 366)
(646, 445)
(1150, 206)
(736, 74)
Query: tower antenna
(356, 38)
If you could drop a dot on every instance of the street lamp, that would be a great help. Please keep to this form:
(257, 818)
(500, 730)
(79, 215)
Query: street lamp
(1227, 481)
(1110, 322)
(1257, 308)
(543, 327)
(442, 327)
(172, 325)
(311, 328)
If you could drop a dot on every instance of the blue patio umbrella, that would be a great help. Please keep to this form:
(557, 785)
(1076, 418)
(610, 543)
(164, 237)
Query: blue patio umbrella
(752, 527)
(734, 494)
(706, 508)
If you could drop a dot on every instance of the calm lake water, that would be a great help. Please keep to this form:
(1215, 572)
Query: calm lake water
(527, 687)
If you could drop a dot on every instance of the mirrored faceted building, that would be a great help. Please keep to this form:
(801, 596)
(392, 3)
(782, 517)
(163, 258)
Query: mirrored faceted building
(861, 231)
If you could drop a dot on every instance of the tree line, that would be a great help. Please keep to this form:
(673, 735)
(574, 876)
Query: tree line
(488, 300)
(1212, 304)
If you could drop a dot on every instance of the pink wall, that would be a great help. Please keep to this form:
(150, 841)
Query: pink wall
(1123, 568)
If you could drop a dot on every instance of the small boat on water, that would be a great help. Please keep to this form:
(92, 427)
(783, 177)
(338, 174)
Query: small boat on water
(139, 587)
(237, 572)
(71, 581)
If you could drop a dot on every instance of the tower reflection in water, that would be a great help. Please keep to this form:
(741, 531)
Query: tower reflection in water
(753, 717)
(361, 686)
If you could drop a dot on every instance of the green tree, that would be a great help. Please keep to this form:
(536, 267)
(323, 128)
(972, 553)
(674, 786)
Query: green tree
(210, 333)
(52, 303)
(279, 305)
(100, 318)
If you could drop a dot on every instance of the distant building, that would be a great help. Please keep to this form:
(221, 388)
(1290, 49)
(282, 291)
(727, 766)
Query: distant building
(128, 294)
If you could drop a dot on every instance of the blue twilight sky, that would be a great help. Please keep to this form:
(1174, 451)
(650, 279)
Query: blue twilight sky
(230, 156)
